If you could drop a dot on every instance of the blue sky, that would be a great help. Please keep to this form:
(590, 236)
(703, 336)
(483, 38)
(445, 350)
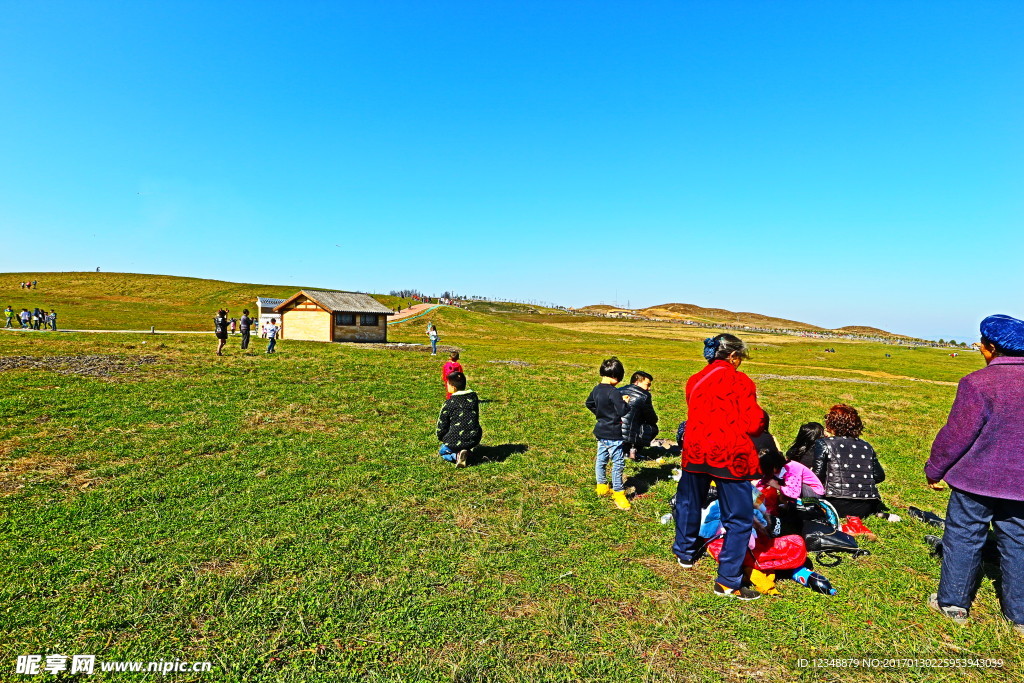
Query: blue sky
(836, 163)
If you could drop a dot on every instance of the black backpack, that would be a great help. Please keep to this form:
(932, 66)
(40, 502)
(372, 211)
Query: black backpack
(823, 536)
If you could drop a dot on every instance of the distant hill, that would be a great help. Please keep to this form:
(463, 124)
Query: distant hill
(869, 331)
(721, 315)
(701, 314)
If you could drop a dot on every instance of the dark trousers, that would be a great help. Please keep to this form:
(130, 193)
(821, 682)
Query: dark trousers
(735, 501)
(967, 520)
(245, 339)
(271, 345)
(857, 507)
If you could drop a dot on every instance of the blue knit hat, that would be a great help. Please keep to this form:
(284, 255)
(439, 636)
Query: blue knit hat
(1006, 332)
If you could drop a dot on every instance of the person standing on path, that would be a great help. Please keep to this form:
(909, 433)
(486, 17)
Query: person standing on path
(432, 335)
(9, 315)
(24, 316)
(220, 329)
(722, 416)
(272, 330)
(979, 454)
(245, 326)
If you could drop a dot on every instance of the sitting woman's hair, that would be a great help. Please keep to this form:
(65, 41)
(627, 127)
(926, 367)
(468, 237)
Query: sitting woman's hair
(454, 355)
(805, 438)
(771, 462)
(457, 380)
(724, 345)
(843, 420)
(612, 367)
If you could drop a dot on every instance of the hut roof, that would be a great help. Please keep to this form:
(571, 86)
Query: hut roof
(264, 302)
(345, 302)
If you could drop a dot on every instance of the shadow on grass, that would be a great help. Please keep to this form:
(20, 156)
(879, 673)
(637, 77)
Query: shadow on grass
(647, 477)
(485, 454)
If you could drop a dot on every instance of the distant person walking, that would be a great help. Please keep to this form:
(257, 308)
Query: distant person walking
(24, 316)
(244, 326)
(978, 453)
(432, 335)
(220, 329)
(53, 319)
(9, 316)
(234, 325)
(272, 330)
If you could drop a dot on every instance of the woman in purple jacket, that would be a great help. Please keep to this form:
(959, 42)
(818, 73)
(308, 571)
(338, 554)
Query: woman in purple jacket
(980, 454)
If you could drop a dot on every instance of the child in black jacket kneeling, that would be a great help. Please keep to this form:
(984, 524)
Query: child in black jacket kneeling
(458, 425)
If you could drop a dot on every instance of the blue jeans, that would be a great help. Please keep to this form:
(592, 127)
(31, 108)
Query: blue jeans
(967, 520)
(433, 346)
(735, 501)
(609, 450)
(447, 453)
(271, 345)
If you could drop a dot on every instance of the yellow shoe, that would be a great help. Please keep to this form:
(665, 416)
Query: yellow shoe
(602, 489)
(619, 498)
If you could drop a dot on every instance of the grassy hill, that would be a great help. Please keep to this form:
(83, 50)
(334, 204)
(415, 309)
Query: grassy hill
(722, 316)
(287, 517)
(132, 301)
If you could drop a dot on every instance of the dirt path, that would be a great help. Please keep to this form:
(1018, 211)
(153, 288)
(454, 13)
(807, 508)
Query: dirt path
(411, 312)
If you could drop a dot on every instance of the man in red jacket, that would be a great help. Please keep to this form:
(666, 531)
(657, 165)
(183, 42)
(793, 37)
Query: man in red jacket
(722, 416)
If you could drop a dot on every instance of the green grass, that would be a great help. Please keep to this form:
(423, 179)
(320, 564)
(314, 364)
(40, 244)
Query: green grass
(287, 517)
(130, 301)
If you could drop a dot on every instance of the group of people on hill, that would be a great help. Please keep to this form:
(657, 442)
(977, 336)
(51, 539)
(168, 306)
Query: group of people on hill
(30, 284)
(222, 325)
(725, 446)
(36, 319)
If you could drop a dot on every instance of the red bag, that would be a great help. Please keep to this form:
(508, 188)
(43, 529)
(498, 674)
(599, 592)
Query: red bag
(855, 527)
(770, 554)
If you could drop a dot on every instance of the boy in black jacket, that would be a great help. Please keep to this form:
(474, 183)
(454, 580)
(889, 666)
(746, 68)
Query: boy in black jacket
(609, 406)
(458, 425)
(640, 425)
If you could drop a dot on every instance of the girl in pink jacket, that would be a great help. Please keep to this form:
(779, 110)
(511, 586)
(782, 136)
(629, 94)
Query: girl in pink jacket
(791, 478)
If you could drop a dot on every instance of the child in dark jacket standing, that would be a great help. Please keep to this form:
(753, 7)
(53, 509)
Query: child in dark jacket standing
(609, 406)
(458, 425)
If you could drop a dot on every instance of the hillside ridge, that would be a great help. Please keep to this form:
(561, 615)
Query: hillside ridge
(702, 314)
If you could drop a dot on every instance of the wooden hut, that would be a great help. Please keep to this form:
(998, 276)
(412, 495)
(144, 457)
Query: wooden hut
(334, 316)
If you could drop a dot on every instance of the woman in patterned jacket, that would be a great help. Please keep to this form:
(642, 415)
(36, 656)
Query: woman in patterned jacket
(722, 416)
(848, 467)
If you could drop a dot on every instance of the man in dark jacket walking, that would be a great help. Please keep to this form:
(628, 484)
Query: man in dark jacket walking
(245, 326)
(640, 425)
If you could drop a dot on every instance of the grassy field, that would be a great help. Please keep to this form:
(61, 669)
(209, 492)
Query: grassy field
(287, 518)
(129, 301)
